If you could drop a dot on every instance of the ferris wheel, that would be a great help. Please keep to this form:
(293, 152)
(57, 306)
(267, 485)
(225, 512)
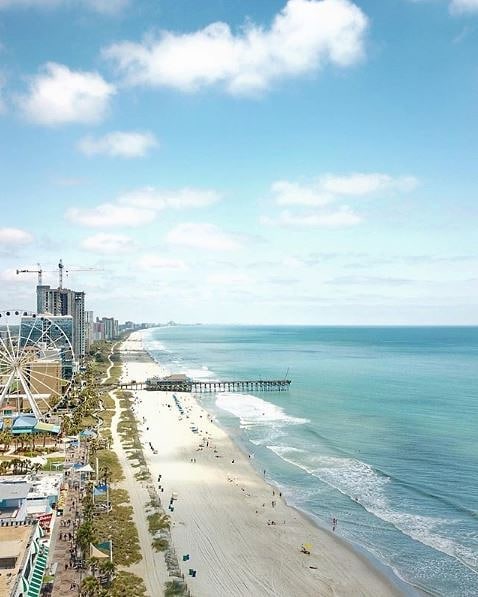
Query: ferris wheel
(36, 362)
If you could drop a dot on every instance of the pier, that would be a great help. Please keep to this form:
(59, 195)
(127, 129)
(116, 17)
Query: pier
(180, 384)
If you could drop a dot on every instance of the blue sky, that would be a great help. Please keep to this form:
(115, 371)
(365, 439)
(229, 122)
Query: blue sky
(301, 161)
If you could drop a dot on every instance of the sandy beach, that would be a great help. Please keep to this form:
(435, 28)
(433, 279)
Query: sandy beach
(239, 534)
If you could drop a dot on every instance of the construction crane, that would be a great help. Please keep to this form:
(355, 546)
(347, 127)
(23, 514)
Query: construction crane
(61, 268)
(38, 271)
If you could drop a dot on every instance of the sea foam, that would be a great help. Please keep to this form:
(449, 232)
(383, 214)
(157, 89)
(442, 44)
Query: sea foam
(359, 481)
(253, 411)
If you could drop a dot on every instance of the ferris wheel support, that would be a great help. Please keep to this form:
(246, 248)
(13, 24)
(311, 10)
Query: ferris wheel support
(35, 354)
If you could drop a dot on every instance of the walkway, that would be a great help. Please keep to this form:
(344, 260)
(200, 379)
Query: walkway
(152, 568)
(67, 577)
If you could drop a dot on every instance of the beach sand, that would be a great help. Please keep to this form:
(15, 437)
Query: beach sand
(224, 509)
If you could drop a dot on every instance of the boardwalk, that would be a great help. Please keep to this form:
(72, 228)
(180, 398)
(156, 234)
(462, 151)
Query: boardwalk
(188, 385)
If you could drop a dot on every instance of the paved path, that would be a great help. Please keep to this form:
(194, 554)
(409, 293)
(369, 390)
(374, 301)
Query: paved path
(153, 567)
(67, 578)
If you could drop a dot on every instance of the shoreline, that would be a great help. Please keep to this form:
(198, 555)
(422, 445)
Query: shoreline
(395, 580)
(385, 570)
(348, 569)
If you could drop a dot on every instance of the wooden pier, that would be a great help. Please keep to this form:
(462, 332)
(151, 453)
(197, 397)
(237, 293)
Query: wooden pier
(200, 387)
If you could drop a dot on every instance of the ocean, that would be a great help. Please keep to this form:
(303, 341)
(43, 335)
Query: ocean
(379, 430)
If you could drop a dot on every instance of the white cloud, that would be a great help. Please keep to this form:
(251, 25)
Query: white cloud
(330, 187)
(291, 193)
(140, 207)
(148, 262)
(202, 236)
(158, 199)
(109, 244)
(118, 144)
(463, 6)
(340, 218)
(59, 95)
(101, 6)
(365, 184)
(14, 237)
(303, 37)
(109, 215)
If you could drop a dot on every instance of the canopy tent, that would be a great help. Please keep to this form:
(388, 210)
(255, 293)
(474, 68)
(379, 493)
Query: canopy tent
(42, 427)
(101, 550)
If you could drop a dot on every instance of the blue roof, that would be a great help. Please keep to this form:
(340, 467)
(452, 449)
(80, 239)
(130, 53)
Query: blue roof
(23, 423)
(88, 433)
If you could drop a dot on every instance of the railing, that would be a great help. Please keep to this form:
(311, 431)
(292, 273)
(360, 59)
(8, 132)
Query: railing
(189, 385)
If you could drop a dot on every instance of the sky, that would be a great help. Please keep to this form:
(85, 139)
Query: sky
(237, 161)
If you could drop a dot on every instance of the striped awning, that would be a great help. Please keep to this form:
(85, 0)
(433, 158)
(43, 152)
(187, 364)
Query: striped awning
(24, 584)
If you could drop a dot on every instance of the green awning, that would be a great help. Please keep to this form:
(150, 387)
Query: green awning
(34, 589)
(42, 427)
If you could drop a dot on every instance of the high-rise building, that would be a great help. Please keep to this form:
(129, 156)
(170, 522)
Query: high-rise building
(62, 301)
(79, 331)
(111, 327)
(59, 330)
(89, 329)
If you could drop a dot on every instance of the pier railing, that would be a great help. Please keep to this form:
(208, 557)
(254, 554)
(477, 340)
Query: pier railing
(166, 385)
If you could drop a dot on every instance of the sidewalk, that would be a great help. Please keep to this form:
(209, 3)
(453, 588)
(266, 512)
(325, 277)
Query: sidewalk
(63, 553)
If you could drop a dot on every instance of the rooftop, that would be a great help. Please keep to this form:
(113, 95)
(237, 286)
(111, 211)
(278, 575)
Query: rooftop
(13, 544)
(12, 491)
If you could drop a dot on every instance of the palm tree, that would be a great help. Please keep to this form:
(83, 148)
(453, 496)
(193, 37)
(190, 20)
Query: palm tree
(106, 569)
(88, 506)
(4, 467)
(36, 467)
(2, 439)
(66, 426)
(8, 438)
(90, 587)
(32, 441)
(105, 474)
(44, 436)
(84, 536)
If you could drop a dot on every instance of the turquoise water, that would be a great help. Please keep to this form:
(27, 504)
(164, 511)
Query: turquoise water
(379, 429)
